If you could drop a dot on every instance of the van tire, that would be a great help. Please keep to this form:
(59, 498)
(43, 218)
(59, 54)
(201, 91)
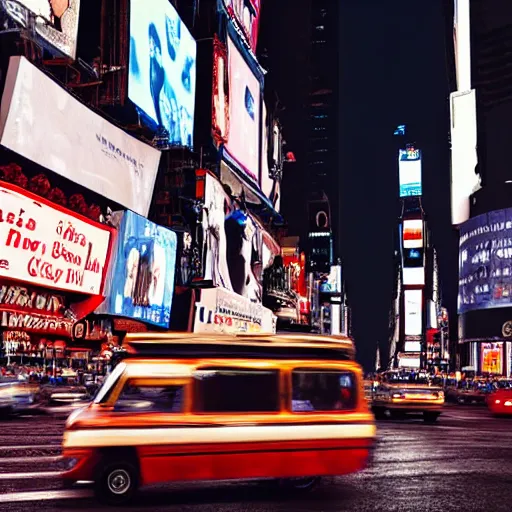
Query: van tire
(117, 482)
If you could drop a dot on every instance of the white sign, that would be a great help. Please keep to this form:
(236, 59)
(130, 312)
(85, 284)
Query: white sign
(42, 245)
(464, 178)
(413, 312)
(220, 310)
(414, 275)
(43, 122)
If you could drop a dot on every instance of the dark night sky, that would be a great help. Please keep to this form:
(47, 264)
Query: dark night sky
(392, 70)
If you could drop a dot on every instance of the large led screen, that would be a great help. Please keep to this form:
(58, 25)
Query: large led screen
(485, 261)
(413, 312)
(413, 234)
(55, 22)
(244, 113)
(409, 171)
(234, 255)
(162, 76)
(140, 284)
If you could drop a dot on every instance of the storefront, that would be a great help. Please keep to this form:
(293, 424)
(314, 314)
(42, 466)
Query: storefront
(52, 270)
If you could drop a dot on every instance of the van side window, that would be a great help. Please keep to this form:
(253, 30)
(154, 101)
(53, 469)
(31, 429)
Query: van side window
(322, 390)
(150, 398)
(236, 390)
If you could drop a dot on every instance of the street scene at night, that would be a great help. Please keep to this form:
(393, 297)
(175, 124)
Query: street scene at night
(255, 255)
(463, 462)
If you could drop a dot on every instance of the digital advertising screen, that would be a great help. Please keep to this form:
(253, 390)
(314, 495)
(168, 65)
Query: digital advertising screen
(140, 284)
(55, 22)
(485, 261)
(247, 16)
(492, 358)
(413, 276)
(413, 346)
(162, 71)
(244, 113)
(413, 234)
(220, 94)
(413, 312)
(409, 172)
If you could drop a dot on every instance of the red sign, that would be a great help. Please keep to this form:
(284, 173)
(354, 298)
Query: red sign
(46, 245)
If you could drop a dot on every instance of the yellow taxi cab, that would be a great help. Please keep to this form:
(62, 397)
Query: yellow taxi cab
(185, 407)
(401, 392)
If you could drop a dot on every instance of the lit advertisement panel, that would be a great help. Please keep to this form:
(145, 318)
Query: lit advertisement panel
(413, 312)
(55, 22)
(162, 75)
(492, 358)
(462, 43)
(246, 15)
(236, 249)
(409, 362)
(413, 234)
(244, 113)
(414, 276)
(83, 146)
(485, 261)
(464, 158)
(47, 245)
(220, 94)
(412, 346)
(140, 284)
(409, 172)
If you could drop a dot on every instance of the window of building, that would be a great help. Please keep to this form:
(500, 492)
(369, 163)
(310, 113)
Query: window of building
(237, 390)
(320, 150)
(320, 27)
(150, 398)
(320, 390)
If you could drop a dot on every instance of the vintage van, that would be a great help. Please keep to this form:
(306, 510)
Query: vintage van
(185, 407)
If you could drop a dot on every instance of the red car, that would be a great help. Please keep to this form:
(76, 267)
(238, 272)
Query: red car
(500, 402)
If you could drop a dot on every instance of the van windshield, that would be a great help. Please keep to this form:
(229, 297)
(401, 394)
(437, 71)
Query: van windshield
(109, 383)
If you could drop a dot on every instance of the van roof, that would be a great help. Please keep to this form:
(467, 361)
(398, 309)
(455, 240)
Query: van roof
(294, 345)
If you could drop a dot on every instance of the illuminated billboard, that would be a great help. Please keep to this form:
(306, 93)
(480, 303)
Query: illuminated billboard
(409, 172)
(162, 74)
(243, 143)
(246, 14)
(414, 276)
(83, 147)
(44, 244)
(413, 234)
(464, 178)
(413, 312)
(140, 284)
(485, 261)
(54, 22)
(412, 346)
(220, 94)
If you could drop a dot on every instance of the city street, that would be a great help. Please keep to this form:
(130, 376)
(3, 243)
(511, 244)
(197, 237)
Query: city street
(463, 462)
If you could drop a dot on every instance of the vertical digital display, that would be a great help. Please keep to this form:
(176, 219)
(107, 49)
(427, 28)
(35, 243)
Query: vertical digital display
(409, 172)
(413, 312)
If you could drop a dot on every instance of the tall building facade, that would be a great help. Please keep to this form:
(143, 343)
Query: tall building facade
(479, 35)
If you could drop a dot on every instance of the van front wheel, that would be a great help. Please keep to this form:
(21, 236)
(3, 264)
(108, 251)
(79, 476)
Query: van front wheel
(117, 483)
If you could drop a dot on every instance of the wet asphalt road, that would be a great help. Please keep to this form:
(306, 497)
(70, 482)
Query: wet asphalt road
(462, 463)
